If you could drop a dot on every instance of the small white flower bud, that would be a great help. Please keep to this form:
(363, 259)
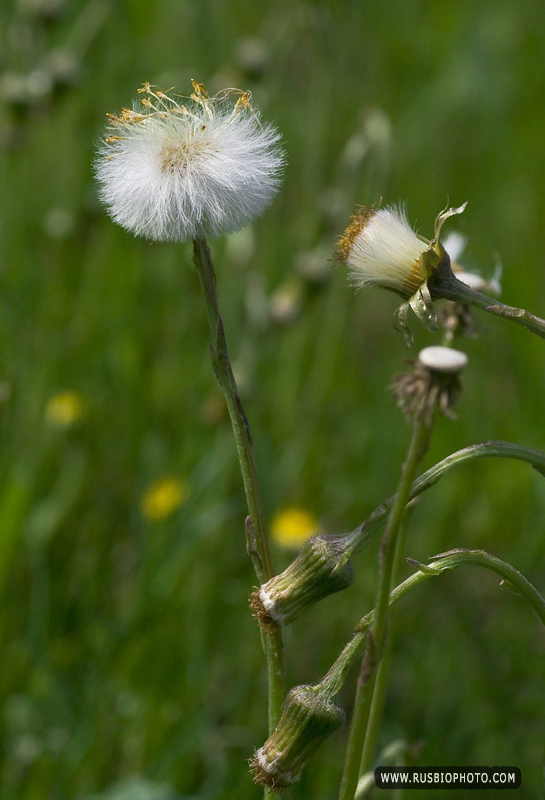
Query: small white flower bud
(174, 171)
(442, 359)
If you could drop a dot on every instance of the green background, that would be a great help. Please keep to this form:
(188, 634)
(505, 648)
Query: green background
(129, 657)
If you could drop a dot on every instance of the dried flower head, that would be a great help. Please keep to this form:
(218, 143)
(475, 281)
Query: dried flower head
(173, 171)
(322, 568)
(433, 383)
(456, 320)
(309, 717)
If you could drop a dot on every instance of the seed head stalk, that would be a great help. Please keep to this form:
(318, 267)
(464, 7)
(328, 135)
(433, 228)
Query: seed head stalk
(256, 530)
(367, 682)
(450, 288)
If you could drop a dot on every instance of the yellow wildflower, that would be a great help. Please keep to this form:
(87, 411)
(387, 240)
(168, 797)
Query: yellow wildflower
(163, 497)
(65, 408)
(293, 526)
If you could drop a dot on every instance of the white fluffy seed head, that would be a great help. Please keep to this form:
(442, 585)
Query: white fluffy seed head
(381, 249)
(172, 172)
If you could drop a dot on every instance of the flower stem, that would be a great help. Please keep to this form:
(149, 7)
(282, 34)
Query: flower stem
(375, 643)
(309, 571)
(365, 533)
(450, 288)
(512, 579)
(257, 540)
(381, 680)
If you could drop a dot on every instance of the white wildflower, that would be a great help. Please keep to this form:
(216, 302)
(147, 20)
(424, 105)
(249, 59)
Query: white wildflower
(171, 171)
(476, 281)
(455, 244)
(381, 249)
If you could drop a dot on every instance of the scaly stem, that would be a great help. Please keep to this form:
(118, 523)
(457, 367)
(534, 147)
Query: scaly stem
(256, 531)
(377, 634)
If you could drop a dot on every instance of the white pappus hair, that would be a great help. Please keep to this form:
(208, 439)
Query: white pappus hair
(173, 172)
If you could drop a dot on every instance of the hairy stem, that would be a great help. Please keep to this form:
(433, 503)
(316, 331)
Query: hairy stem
(257, 540)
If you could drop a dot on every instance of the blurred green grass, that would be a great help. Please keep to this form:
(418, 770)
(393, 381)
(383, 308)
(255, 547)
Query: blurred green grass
(128, 649)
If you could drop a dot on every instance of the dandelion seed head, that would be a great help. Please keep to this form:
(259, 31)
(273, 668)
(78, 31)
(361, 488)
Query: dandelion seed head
(173, 171)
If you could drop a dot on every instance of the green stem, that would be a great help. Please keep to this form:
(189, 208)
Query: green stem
(336, 675)
(480, 558)
(381, 681)
(256, 531)
(335, 551)
(375, 643)
(259, 547)
(450, 288)
(364, 534)
(376, 706)
(511, 579)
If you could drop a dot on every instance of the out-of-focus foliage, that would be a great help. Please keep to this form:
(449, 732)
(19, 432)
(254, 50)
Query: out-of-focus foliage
(127, 646)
